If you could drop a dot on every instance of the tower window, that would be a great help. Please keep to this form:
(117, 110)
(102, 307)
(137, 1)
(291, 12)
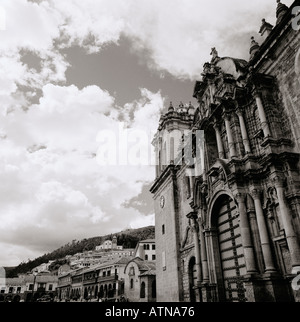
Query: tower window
(163, 229)
(164, 261)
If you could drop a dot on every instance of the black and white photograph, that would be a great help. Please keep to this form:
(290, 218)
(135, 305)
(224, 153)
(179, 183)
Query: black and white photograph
(149, 154)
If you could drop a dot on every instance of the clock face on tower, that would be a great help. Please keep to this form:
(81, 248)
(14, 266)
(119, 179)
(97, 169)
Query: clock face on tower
(162, 201)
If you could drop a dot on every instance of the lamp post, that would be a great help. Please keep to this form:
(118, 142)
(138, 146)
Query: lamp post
(35, 273)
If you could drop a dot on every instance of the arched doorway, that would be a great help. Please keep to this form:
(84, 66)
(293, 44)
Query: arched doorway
(86, 294)
(211, 146)
(110, 291)
(192, 278)
(101, 293)
(114, 289)
(231, 254)
(154, 289)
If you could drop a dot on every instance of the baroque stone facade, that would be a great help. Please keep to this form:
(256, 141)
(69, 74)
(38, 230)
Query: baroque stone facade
(227, 210)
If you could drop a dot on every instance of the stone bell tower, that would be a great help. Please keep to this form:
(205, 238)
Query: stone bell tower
(169, 156)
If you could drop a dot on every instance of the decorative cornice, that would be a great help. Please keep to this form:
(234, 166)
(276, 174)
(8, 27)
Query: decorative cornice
(169, 172)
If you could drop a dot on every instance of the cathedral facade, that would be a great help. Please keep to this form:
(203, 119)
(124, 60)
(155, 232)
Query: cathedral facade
(227, 214)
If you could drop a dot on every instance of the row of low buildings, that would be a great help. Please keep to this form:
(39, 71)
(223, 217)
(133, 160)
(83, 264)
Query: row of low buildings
(128, 277)
(124, 273)
(28, 287)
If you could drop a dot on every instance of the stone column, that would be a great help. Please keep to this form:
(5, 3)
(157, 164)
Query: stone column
(287, 222)
(195, 229)
(262, 115)
(244, 132)
(219, 142)
(117, 288)
(231, 144)
(246, 235)
(255, 233)
(203, 256)
(209, 291)
(263, 232)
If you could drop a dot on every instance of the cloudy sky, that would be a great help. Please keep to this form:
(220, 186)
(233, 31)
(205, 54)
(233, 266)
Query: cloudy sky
(71, 73)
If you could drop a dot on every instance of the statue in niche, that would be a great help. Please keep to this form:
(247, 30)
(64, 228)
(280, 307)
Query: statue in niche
(203, 110)
(273, 195)
(273, 212)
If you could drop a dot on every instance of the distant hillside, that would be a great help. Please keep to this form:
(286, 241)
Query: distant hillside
(127, 238)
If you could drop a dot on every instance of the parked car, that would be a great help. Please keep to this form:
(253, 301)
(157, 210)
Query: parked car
(45, 298)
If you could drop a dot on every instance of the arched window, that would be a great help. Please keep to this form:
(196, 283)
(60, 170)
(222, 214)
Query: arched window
(172, 150)
(143, 290)
(101, 293)
(192, 278)
(188, 187)
(211, 146)
(165, 161)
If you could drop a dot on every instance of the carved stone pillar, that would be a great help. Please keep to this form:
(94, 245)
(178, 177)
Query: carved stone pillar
(203, 256)
(255, 233)
(231, 144)
(287, 222)
(219, 142)
(246, 235)
(195, 230)
(245, 137)
(262, 115)
(263, 232)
